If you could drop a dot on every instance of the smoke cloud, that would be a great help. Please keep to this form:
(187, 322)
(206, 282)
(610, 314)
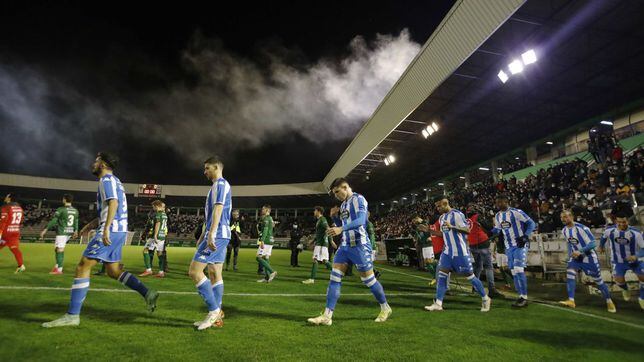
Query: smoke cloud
(231, 103)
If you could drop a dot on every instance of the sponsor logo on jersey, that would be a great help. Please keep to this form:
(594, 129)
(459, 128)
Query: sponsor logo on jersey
(573, 241)
(621, 241)
(505, 224)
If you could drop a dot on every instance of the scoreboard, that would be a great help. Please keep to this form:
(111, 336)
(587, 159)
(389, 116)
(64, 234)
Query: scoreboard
(149, 190)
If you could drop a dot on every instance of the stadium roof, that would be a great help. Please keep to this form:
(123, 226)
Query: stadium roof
(590, 58)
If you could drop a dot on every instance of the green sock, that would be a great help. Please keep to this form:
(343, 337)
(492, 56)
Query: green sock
(267, 267)
(328, 265)
(314, 270)
(103, 268)
(431, 269)
(59, 259)
(146, 260)
(161, 263)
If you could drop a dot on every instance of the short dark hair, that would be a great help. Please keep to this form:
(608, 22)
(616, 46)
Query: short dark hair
(338, 182)
(621, 215)
(68, 197)
(440, 198)
(214, 160)
(320, 209)
(502, 197)
(111, 160)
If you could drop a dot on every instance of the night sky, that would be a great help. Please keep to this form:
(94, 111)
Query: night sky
(278, 90)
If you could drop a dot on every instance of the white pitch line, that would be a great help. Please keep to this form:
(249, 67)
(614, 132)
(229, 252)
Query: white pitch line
(10, 287)
(544, 303)
(638, 326)
(401, 273)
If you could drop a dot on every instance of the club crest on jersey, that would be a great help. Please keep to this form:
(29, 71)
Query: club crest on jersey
(344, 214)
(444, 228)
(621, 241)
(573, 241)
(505, 224)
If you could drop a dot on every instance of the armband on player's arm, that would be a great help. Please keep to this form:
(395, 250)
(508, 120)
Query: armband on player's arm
(588, 248)
(360, 220)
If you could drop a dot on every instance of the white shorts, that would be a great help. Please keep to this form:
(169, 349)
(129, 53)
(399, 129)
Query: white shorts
(150, 244)
(61, 241)
(501, 260)
(428, 252)
(321, 253)
(266, 251)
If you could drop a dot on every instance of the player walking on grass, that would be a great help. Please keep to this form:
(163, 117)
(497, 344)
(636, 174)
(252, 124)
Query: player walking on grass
(11, 218)
(66, 222)
(627, 253)
(516, 227)
(106, 245)
(456, 255)
(355, 248)
(581, 251)
(265, 247)
(212, 244)
(321, 250)
(159, 230)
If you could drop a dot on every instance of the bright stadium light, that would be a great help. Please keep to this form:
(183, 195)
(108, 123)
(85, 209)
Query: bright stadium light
(440, 184)
(434, 126)
(462, 177)
(425, 133)
(484, 169)
(608, 123)
(550, 143)
(499, 169)
(503, 76)
(392, 159)
(386, 162)
(425, 190)
(516, 66)
(516, 158)
(404, 198)
(529, 57)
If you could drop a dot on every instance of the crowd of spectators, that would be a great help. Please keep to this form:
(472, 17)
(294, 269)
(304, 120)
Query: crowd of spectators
(587, 191)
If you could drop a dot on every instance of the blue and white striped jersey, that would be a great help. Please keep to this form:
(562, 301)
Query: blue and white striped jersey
(623, 243)
(513, 223)
(349, 212)
(110, 187)
(578, 237)
(455, 241)
(220, 193)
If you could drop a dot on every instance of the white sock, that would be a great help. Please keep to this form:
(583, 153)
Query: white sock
(214, 312)
(384, 306)
(571, 299)
(439, 302)
(328, 312)
(485, 297)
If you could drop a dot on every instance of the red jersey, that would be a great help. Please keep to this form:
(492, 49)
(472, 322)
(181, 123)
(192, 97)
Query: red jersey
(11, 218)
(476, 235)
(437, 241)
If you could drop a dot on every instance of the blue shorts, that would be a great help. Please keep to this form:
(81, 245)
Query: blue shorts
(620, 269)
(359, 255)
(106, 253)
(517, 257)
(205, 255)
(459, 264)
(591, 269)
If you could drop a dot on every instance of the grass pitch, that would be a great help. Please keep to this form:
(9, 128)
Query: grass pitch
(268, 321)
